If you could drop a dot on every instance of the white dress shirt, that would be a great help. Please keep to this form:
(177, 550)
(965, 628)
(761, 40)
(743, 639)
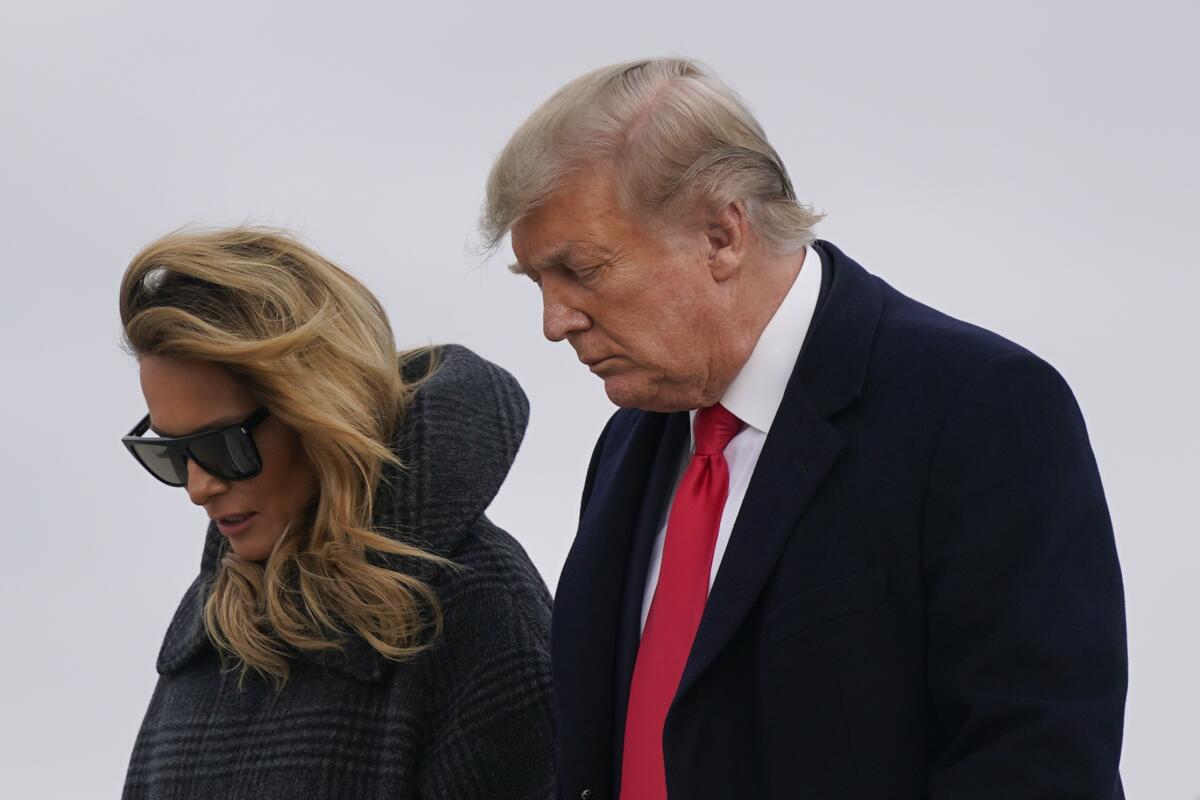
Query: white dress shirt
(753, 397)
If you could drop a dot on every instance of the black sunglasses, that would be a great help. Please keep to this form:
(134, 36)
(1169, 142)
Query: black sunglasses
(227, 452)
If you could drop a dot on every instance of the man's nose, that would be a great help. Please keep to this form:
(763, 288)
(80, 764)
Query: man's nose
(203, 486)
(560, 316)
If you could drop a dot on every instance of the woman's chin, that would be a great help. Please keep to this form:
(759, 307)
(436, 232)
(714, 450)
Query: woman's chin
(250, 550)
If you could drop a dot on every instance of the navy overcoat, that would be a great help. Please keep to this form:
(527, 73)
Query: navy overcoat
(920, 598)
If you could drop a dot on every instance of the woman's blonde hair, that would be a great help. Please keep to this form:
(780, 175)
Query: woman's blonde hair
(675, 133)
(313, 345)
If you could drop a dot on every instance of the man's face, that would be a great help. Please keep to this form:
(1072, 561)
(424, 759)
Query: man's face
(642, 309)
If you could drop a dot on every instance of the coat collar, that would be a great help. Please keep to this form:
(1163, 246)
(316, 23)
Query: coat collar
(586, 621)
(456, 441)
(832, 367)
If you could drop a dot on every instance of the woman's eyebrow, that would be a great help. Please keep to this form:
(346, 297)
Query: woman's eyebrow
(220, 423)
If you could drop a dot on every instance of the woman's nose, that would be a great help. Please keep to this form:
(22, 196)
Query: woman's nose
(202, 486)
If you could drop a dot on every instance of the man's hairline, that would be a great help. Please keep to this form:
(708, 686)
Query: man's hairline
(653, 223)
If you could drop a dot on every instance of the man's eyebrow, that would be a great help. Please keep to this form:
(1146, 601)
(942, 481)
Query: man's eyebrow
(219, 423)
(559, 257)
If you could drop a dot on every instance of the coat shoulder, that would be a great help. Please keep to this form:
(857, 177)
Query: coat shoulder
(911, 328)
(492, 596)
(493, 724)
(489, 560)
(928, 351)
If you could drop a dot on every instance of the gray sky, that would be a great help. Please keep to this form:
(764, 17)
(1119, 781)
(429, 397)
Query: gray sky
(1030, 167)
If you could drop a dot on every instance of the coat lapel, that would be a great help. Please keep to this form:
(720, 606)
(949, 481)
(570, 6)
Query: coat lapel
(588, 608)
(658, 493)
(795, 459)
(800, 450)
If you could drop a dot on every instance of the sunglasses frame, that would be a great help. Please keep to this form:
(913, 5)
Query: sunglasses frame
(135, 437)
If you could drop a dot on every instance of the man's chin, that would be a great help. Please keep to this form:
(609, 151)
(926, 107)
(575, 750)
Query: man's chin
(626, 392)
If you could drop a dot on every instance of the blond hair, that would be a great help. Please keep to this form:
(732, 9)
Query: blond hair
(313, 345)
(676, 134)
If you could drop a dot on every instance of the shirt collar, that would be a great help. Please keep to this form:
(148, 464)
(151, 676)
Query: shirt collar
(756, 392)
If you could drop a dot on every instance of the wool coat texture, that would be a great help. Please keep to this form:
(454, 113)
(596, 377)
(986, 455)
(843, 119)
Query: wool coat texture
(470, 717)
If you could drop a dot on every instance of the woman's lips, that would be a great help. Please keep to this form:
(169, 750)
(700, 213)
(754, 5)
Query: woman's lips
(236, 528)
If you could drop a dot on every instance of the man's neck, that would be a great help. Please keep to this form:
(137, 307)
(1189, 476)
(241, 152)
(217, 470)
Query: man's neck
(770, 282)
(766, 284)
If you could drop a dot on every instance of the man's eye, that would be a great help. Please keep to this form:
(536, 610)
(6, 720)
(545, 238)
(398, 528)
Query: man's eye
(589, 272)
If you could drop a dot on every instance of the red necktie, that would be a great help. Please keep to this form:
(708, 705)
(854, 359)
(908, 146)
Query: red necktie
(678, 603)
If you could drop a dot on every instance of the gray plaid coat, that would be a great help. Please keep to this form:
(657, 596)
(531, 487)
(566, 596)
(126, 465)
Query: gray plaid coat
(469, 718)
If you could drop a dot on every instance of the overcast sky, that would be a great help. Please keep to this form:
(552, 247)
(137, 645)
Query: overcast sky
(1030, 167)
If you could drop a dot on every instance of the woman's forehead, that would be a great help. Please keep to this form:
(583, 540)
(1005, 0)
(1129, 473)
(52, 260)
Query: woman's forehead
(185, 395)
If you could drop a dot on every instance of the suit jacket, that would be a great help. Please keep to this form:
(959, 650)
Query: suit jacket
(920, 597)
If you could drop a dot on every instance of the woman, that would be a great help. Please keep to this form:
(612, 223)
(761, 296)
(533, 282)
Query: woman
(359, 628)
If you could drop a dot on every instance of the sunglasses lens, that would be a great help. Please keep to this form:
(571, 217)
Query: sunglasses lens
(228, 454)
(165, 462)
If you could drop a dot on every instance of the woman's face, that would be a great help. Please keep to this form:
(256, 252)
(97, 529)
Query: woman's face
(186, 396)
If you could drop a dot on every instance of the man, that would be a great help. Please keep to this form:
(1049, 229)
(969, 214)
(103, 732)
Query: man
(835, 544)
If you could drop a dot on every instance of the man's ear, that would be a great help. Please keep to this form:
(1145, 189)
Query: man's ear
(726, 232)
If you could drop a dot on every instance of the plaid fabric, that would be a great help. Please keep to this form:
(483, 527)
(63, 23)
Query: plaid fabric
(469, 718)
